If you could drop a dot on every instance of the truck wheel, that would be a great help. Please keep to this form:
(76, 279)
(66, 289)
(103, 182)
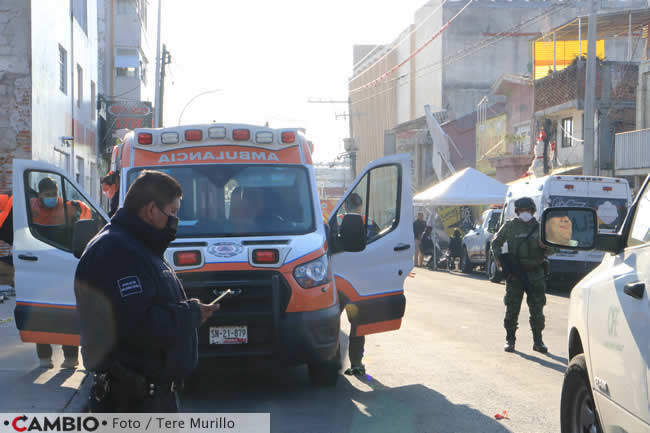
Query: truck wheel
(325, 373)
(465, 264)
(577, 409)
(492, 270)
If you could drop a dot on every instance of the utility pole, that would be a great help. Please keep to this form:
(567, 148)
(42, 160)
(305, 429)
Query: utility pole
(590, 94)
(166, 59)
(351, 154)
(156, 109)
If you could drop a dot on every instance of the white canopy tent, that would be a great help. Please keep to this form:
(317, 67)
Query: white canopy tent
(468, 187)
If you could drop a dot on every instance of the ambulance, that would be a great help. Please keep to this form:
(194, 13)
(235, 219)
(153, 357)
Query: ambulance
(251, 222)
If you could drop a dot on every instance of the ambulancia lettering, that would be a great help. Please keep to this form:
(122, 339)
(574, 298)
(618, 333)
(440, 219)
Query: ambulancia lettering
(217, 156)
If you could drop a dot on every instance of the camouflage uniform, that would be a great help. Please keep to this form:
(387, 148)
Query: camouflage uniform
(531, 256)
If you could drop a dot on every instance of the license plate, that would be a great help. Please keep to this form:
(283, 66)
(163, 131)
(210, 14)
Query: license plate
(228, 335)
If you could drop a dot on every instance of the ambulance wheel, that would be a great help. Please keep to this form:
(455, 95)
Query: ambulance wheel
(325, 373)
(465, 264)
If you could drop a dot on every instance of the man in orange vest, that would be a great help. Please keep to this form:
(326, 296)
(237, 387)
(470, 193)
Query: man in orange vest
(48, 209)
(6, 235)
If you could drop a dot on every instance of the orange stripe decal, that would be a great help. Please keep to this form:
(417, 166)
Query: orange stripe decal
(36, 304)
(375, 328)
(346, 288)
(50, 338)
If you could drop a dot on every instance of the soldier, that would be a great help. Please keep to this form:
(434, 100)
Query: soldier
(526, 260)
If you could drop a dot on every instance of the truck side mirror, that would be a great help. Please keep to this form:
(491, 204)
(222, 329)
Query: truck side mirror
(84, 231)
(353, 233)
(571, 228)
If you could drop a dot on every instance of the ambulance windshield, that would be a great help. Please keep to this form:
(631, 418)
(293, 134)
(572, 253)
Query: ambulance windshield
(241, 199)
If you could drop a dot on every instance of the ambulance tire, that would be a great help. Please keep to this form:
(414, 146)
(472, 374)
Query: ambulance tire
(325, 373)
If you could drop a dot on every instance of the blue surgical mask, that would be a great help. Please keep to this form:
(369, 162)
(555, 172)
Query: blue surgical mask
(50, 202)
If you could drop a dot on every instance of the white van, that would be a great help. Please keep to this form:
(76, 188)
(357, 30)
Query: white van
(609, 197)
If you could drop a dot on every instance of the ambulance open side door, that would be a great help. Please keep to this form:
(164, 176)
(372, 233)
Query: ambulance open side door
(372, 281)
(43, 260)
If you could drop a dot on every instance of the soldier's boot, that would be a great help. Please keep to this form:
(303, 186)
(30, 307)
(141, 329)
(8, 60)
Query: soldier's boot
(538, 344)
(510, 341)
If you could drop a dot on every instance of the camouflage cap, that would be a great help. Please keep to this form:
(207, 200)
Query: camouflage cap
(525, 203)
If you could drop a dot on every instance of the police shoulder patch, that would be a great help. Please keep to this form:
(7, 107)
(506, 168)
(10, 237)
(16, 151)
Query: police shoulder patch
(129, 286)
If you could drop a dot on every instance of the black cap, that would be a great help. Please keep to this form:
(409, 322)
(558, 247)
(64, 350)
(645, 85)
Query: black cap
(525, 203)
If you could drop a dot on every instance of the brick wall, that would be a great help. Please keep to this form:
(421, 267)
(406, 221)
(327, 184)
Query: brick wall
(569, 84)
(15, 94)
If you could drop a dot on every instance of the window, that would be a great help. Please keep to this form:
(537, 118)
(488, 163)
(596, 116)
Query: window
(80, 85)
(567, 132)
(63, 70)
(376, 199)
(80, 13)
(93, 101)
(127, 7)
(79, 176)
(49, 219)
(241, 199)
(143, 10)
(640, 232)
(127, 62)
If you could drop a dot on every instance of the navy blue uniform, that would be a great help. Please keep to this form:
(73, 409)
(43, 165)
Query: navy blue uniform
(133, 309)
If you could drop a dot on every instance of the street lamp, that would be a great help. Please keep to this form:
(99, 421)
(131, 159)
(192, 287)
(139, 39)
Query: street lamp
(192, 100)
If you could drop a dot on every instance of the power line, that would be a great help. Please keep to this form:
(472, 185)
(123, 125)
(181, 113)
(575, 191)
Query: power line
(395, 46)
(414, 53)
(459, 55)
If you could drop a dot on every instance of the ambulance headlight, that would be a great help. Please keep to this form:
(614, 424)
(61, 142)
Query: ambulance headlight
(312, 274)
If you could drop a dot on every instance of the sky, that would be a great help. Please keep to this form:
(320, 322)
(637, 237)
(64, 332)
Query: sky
(265, 59)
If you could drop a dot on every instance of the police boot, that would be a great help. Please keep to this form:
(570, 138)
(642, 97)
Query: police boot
(538, 344)
(510, 341)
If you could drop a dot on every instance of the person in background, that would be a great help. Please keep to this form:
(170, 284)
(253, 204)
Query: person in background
(455, 248)
(48, 209)
(529, 253)
(418, 228)
(110, 188)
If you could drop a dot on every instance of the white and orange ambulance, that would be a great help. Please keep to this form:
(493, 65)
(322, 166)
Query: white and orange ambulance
(250, 221)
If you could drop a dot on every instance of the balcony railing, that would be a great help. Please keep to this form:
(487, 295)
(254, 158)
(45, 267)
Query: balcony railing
(633, 150)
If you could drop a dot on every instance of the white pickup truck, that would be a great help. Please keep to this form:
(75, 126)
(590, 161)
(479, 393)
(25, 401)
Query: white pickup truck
(476, 245)
(607, 384)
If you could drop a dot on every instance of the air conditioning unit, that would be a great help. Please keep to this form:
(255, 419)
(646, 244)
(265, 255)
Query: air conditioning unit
(350, 145)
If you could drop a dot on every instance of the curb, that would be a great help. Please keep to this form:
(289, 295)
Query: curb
(79, 401)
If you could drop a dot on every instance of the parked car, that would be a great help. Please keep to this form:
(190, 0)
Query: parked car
(607, 383)
(476, 245)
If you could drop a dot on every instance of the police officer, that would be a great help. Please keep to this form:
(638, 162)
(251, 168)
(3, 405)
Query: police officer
(529, 255)
(138, 329)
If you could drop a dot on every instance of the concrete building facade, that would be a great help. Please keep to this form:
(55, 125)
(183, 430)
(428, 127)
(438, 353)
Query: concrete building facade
(49, 87)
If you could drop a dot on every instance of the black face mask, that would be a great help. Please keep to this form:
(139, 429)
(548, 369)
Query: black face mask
(168, 233)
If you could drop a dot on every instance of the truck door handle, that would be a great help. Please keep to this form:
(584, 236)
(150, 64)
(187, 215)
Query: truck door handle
(401, 247)
(27, 257)
(635, 290)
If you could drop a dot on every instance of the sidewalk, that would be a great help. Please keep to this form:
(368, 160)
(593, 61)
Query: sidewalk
(28, 388)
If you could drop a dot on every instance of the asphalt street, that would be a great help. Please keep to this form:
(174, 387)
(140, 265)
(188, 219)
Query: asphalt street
(444, 371)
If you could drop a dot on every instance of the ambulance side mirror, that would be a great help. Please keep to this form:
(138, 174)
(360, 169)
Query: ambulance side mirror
(84, 231)
(353, 233)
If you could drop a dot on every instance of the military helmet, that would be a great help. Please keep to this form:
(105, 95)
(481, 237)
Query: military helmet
(525, 203)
